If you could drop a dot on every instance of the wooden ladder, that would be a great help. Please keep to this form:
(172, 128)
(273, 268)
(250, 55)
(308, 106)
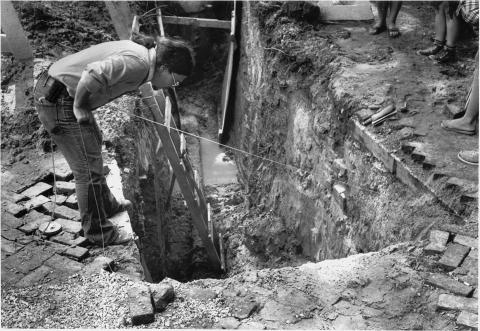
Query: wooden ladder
(174, 145)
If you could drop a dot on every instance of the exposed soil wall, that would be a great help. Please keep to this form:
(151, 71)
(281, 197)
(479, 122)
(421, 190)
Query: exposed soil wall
(290, 107)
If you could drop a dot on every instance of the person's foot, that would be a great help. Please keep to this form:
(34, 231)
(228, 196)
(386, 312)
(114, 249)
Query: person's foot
(468, 157)
(376, 29)
(446, 55)
(458, 126)
(435, 49)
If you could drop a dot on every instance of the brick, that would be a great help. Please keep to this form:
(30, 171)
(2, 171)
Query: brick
(70, 226)
(410, 147)
(438, 242)
(13, 197)
(63, 265)
(468, 319)
(11, 222)
(35, 277)
(69, 239)
(62, 172)
(449, 284)
(12, 234)
(453, 302)
(140, 305)
(36, 202)
(13, 208)
(77, 253)
(62, 211)
(468, 270)
(66, 188)
(10, 247)
(33, 220)
(37, 189)
(463, 185)
(56, 247)
(60, 199)
(29, 258)
(162, 295)
(453, 256)
(466, 241)
(71, 202)
(10, 277)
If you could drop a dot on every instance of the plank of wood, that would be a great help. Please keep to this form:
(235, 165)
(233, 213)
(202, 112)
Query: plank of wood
(184, 179)
(121, 17)
(201, 22)
(360, 11)
(17, 43)
(227, 78)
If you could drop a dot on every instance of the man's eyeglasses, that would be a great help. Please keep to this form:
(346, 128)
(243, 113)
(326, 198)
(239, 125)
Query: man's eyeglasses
(175, 83)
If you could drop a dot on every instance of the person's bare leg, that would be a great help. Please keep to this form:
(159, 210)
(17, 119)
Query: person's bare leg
(394, 7)
(440, 31)
(468, 120)
(448, 54)
(380, 24)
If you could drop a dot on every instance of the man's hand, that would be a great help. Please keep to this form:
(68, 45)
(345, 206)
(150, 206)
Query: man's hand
(83, 115)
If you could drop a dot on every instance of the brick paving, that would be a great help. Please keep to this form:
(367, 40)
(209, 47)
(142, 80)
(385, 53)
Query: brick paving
(457, 276)
(28, 258)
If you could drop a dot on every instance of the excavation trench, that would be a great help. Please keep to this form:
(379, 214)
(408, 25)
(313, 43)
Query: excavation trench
(323, 197)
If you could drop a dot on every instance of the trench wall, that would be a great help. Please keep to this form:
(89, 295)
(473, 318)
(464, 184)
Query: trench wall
(334, 196)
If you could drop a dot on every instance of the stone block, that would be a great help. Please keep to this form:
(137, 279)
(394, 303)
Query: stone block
(59, 199)
(71, 202)
(468, 270)
(406, 176)
(410, 147)
(13, 197)
(10, 247)
(37, 189)
(35, 277)
(453, 256)
(162, 295)
(70, 226)
(32, 221)
(428, 163)
(468, 319)
(418, 156)
(62, 172)
(56, 247)
(29, 258)
(63, 265)
(468, 197)
(244, 309)
(36, 202)
(10, 277)
(69, 239)
(466, 241)
(438, 242)
(11, 222)
(449, 284)
(140, 305)
(77, 253)
(464, 185)
(13, 208)
(66, 188)
(12, 234)
(62, 211)
(453, 302)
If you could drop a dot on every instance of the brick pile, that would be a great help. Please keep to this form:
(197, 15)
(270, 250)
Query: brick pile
(457, 256)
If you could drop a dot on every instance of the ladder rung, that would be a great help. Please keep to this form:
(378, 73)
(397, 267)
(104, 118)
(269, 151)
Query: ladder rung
(183, 144)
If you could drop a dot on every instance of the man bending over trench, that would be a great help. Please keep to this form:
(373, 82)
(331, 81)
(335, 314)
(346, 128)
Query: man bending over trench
(71, 88)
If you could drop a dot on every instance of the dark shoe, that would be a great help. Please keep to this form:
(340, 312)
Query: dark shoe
(435, 49)
(447, 55)
(377, 29)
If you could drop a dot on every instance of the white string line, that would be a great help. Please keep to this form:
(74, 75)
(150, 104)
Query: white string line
(237, 149)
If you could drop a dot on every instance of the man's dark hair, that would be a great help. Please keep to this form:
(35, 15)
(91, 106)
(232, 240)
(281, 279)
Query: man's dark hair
(176, 55)
(144, 40)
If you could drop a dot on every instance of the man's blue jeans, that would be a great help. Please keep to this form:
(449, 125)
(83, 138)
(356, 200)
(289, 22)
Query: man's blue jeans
(81, 145)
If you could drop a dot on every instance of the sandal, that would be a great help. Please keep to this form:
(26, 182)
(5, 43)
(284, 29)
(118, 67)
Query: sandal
(468, 157)
(444, 125)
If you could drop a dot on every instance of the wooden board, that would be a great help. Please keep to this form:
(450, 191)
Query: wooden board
(360, 11)
(18, 43)
(200, 22)
(121, 16)
(227, 78)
